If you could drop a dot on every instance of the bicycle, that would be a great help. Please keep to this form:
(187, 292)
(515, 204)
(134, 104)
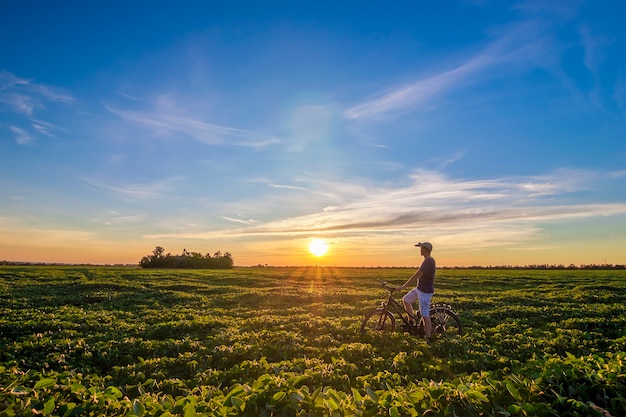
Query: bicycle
(445, 321)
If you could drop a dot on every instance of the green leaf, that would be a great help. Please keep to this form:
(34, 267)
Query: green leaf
(238, 389)
(48, 407)
(371, 393)
(76, 411)
(45, 382)
(294, 381)
(190, 410)
(8, 412)
(113, 392)
(513, 391)
(393, 412)
(331, 403)
(278, 397)
(315, 394)
(477, 395)
(416, 396)
(237, 402)
(70, 409)
(76, 388)
(138, 408)
(19, 391)
(263, 379)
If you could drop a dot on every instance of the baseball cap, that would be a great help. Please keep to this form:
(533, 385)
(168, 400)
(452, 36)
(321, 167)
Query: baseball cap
(427, 245)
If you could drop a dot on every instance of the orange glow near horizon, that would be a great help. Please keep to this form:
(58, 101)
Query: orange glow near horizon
(307, 251)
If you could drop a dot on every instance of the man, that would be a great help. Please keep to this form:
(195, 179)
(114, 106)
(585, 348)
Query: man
(424, 290)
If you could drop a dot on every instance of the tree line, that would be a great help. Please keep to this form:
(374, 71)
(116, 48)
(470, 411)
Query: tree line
(546, 266)
(188, 260)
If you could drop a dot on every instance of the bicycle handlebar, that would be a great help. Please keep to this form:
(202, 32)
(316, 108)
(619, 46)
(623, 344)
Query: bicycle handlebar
(387, 287)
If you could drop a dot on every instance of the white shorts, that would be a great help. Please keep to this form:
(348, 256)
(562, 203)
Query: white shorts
(423, 298)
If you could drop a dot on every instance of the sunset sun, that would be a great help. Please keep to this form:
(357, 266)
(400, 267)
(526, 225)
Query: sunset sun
(318, 247)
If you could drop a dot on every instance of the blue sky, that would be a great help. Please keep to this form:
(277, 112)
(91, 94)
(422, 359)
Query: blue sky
(494, 129)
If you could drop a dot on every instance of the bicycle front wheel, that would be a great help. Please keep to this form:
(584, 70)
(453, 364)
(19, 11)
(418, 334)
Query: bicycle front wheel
(445, 322)
(378, 320)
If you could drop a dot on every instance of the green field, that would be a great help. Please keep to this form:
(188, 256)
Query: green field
(285, 341)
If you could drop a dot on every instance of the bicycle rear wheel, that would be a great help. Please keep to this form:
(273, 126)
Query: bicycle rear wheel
(378, 320)
(445, 322)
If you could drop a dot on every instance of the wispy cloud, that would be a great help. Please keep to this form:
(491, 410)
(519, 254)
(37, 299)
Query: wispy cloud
(452, 159)
(477, 211)
(259, 144)
(164, 124)
(24, 96)
(24, 137)
(520, 43)
(21, 136)
(289, 187)
(114, 218)
(241, 221)
(145, 191)
(420, 92)
(46, 128)
(591, 45)
(169, 125)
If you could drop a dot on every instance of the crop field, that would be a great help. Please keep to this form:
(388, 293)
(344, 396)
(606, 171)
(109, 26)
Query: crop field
(108, 341)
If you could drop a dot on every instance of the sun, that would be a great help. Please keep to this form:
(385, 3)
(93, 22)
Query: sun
(318, 247)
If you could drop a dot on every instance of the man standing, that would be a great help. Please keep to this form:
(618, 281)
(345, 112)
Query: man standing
(424, 290)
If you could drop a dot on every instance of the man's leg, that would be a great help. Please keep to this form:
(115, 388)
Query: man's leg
(408, 301)
(424, 299)
(409, 309)
(428, 327)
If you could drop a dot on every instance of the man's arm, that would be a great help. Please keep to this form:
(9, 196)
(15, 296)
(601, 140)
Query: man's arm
(415, 277)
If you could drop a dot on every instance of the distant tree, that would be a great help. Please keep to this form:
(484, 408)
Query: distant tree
(191, 260)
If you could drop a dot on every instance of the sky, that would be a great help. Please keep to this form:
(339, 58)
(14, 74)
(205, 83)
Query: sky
(496, 130)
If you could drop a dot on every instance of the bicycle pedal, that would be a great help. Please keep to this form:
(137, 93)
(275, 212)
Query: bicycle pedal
(411, 329)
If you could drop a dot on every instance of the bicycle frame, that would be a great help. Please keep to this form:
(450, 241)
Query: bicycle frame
(395, 307)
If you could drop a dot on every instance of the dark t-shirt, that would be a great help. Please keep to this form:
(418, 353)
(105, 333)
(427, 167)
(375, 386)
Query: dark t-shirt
(427, 280)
